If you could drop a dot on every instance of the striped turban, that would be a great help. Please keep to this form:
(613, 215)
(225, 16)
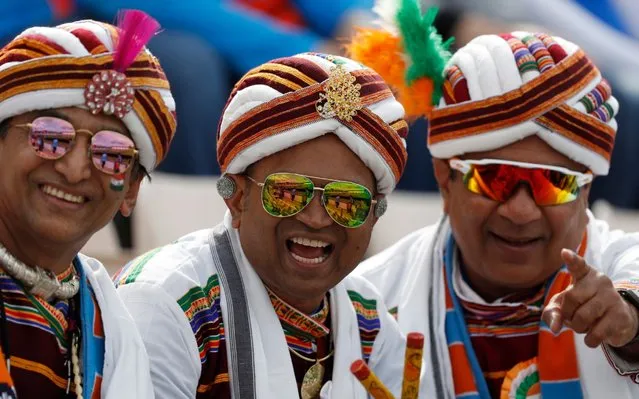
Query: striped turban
(51, 67)
(295, 99)
(500, 89)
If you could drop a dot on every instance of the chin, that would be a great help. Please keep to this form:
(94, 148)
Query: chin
(521, 279)
(60, 232)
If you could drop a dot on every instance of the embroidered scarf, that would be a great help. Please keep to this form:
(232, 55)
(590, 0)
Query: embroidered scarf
(301, 331)
(27, 313)
(554, 372)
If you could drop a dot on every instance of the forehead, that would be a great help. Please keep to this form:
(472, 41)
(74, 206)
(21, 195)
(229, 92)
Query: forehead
(531, 149)
(326, 156)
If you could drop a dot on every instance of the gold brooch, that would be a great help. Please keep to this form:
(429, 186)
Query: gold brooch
(341, 96)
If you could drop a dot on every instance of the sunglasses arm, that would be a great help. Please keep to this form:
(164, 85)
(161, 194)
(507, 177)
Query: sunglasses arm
(459, 165)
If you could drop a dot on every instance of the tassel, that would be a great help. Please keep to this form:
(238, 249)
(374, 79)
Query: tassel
(136, 29)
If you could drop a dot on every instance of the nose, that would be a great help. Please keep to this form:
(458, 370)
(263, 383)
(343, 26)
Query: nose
(75, 165)
(520, 208)
(314, 215)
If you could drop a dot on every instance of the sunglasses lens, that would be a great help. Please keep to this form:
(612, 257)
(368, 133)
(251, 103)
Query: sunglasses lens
(285, 194)
(348, 204)
(50, 137)
(555, 188)
(112, 152)
(498, 182)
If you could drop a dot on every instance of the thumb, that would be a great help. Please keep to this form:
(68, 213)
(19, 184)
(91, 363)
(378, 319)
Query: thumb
(551, 314)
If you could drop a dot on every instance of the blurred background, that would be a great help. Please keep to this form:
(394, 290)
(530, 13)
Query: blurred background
(206, 45)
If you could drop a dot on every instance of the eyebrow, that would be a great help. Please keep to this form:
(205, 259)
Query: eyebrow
(53, 113)
(57, 114)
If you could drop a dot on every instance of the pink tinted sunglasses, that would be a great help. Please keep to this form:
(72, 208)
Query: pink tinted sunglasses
(51, 138)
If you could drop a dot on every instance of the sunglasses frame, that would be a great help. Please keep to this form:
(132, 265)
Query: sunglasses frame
(374, 202)
(91, 134)
(465, 165)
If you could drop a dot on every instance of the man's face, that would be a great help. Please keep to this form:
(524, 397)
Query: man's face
(274, 245)
(513, 245)
(61, 201)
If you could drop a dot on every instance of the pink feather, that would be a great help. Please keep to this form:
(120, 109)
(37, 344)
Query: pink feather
(136, 29)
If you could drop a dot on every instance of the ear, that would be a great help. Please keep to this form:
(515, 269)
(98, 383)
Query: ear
(584, 195)
(237, 200)
(380, 208)
(442, 175)
(131, 197)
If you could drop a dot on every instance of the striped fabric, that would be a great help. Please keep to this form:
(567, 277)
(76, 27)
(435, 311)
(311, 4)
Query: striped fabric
(306, 335)
(554, 365)
(302, 331)
(41, 370)
(201, 305)
(504, 337)
(546, 81)
(541, 99)
(50, 68)
(275, 106)
(367, 320)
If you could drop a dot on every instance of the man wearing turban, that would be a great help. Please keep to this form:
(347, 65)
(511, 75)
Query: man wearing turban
(519, 290)
(259, 306)
(85, 113)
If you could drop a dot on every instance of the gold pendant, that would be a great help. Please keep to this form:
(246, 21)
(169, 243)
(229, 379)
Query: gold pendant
(312, 383)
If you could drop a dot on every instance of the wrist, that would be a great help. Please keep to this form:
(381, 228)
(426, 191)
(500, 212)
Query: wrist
(631, 297)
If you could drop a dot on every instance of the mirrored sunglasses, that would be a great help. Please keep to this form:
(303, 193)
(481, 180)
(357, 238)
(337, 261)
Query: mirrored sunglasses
(287, 194)
(52, 138)
(499, 179)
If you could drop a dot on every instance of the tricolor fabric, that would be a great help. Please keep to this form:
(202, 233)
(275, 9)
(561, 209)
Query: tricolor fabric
(415, 277)
(49, 67)
(275, 107)
(502, 88)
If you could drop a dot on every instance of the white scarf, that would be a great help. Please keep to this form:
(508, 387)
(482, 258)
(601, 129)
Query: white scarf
(421, 309)
(126, 364)
(274, 373)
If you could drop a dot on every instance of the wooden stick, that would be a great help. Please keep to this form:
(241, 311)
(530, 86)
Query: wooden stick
(369, 380)
(412, 365)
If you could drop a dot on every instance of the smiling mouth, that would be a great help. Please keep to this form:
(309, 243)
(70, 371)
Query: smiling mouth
(62, 195)
(516, 242)
(309, 251)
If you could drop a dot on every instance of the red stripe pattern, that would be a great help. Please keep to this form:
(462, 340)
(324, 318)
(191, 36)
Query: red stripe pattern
(301, 81)
(543, 99)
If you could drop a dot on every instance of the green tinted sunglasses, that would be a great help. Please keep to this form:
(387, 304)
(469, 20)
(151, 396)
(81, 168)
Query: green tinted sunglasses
(347, 203)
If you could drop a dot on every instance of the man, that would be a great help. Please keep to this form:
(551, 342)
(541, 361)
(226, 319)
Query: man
(85, 113)
(519, 291)
(256, 307)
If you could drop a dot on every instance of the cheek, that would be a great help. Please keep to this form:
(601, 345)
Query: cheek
(469, 215)
(356, 244)
(568, 225)
(470, 212)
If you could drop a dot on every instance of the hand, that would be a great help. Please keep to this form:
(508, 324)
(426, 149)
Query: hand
(591, 305)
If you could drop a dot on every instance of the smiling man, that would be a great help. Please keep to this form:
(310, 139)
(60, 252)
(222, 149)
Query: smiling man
(519, 290)
(259, 307)
(79, 128)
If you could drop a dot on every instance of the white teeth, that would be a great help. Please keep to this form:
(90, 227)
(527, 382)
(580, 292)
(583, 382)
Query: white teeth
(301, 259)
(310, 243)
(54, 192)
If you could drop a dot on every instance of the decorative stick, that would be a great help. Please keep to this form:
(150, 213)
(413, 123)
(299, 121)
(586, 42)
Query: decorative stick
(412, 365)
(369, 381)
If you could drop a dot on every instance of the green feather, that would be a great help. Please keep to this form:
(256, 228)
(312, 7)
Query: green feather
(427, 51)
